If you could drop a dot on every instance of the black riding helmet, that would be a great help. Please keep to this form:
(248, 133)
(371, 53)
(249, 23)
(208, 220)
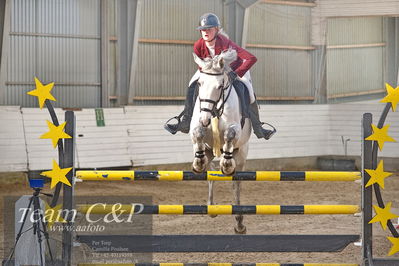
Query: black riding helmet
(207, 21)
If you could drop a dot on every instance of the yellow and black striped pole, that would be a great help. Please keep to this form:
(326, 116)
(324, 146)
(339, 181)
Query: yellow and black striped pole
(223, 264)
(217, 176)
(217, 209)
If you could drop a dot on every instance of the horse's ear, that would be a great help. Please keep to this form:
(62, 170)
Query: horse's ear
(229, 55)
(199, 61)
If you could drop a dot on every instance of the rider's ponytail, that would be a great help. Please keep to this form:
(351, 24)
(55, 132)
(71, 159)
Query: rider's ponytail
(223, 33)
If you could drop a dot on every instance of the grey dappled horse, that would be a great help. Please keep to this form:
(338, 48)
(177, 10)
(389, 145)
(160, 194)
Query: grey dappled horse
(218, 99)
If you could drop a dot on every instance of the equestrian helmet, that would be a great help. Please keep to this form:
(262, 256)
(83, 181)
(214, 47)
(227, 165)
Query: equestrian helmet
(207, 21)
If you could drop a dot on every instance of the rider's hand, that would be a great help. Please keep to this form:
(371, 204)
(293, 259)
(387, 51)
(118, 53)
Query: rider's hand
(232, 76)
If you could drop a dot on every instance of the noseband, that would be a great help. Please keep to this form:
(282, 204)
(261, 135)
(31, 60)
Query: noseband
(216, 112)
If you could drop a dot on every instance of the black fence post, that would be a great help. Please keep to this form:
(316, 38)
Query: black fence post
(367, 193)
(69, 160)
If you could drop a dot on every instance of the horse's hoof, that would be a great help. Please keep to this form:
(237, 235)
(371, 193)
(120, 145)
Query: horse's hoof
(199, 165)
(228, 166)
(228, 172)
(198, 170)
(195, 171)
(213, 215)
(240, 231)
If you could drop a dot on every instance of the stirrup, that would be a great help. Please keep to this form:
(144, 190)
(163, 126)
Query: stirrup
(168, 128)
(274, 130)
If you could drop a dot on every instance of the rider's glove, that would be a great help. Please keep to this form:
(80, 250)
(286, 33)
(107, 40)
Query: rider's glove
(232, 76)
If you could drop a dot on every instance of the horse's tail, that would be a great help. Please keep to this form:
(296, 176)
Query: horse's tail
(216, 137)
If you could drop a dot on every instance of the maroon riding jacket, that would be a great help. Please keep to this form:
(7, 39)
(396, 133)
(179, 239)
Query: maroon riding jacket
(244, 61)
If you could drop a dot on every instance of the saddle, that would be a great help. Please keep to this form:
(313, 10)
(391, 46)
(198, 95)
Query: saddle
(243, 96)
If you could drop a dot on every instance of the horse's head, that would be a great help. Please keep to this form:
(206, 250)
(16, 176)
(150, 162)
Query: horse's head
(212, 81)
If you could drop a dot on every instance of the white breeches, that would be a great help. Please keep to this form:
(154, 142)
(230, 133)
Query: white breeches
(246, 79)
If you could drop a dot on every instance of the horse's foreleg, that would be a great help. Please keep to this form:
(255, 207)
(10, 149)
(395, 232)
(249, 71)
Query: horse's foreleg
(200, 160)
(240, 227)
(227, 163)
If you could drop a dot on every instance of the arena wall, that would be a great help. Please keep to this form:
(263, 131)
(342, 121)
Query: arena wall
(134, 135)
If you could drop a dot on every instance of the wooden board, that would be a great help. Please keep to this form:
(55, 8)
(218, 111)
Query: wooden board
(12, 140)
(223, 243)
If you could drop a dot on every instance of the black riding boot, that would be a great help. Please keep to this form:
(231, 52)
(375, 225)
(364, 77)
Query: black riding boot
(183, 125)
(259, 131)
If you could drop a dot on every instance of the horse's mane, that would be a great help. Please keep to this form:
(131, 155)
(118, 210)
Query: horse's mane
(219, 62)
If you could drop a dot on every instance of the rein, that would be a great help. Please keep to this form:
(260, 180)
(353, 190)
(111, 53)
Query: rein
(216, 112)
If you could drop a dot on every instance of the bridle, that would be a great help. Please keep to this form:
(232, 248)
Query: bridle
(216, 112)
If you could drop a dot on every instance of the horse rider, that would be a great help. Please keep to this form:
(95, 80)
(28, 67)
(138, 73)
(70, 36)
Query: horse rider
(212, 43)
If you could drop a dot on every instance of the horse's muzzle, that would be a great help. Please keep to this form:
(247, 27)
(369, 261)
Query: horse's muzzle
(205, 122)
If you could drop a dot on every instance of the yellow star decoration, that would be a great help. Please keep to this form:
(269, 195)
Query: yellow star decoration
(380, 135)
(392, 96)
(55, 133)
(53, 215)
(378, 175)
(383, 215)
(395, 247)
(57, 175)
(42, 92)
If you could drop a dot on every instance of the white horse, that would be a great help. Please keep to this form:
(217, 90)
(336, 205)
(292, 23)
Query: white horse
(218, 102)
